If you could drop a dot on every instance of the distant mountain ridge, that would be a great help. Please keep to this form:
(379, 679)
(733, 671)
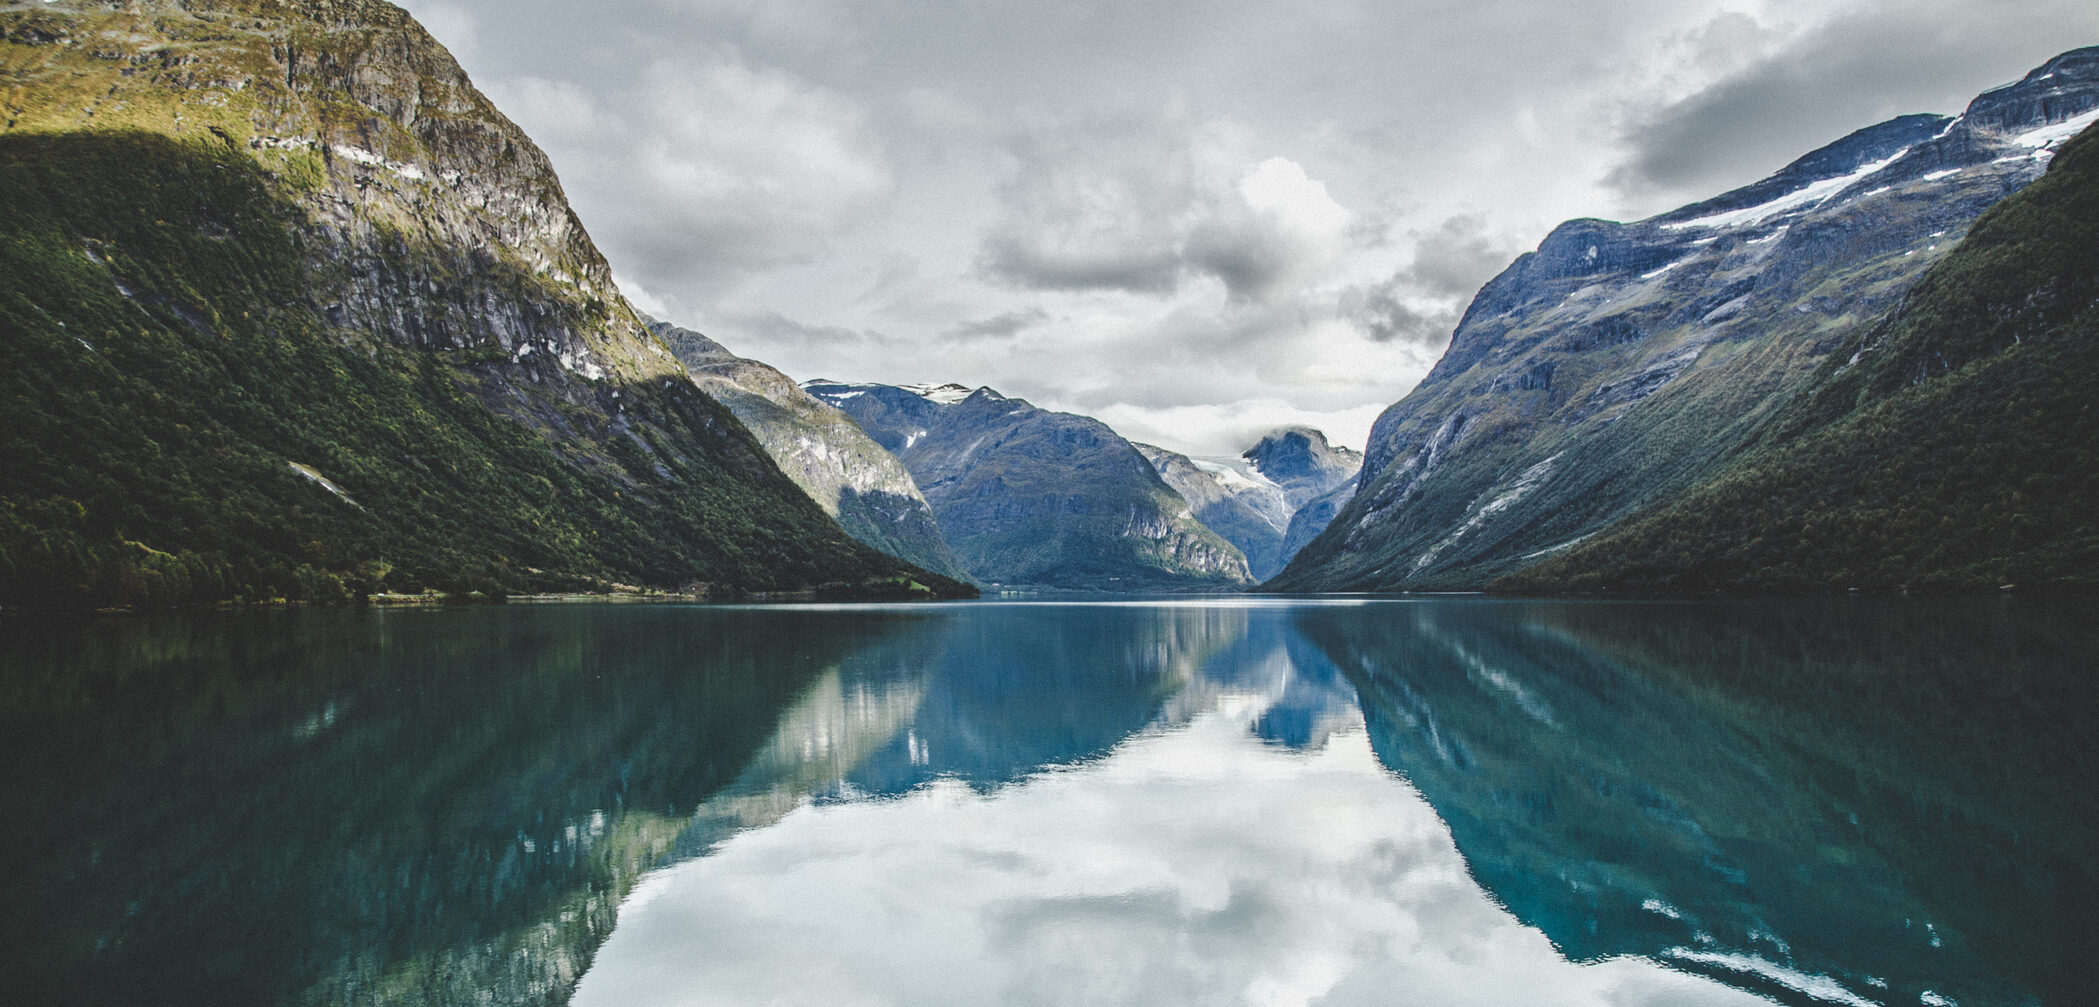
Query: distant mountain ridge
(1256, 500)
(852, 478)
(1024, 495)
(1619, 364)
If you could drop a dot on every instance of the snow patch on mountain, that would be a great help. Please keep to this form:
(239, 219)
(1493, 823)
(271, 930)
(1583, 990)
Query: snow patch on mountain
(946, 394)
(1807, 197)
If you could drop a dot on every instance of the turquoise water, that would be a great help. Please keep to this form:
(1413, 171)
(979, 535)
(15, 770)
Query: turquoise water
(1431, 801)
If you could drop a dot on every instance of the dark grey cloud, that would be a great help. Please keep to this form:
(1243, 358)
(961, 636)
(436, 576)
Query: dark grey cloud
(1457, 257)
(1243, 251)
(1091, 202)
(1385, 317)
(776, 328)
(1000, 326)
(1858, 69)
(1032, 263)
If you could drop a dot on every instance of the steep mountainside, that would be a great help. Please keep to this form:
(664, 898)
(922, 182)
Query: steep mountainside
(288, 309)
(1314, 516)
(1955, 445)
(1256, 500)
(1247, 510)
(819, 447)
(1029, 496)
(1621, 363)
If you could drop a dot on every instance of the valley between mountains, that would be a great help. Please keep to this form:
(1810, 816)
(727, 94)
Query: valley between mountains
(289, 311)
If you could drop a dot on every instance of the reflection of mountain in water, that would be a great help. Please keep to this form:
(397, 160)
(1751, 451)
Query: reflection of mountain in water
(448, 807)
(1015, 689)
(407, 807)
(1854, 805)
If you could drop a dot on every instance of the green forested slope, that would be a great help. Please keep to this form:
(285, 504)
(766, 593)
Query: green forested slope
(1953, 445)
(160, 373)
(289, 310)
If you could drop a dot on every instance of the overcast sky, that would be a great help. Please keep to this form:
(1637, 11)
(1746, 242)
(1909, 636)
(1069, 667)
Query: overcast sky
(1193, 220)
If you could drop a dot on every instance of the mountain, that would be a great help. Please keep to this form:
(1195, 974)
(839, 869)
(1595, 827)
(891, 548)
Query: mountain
(819, 447)
(1029, 496)
(1645, 780)
(1317, 478)
(289, 310)
(1303, 464)
(1953, 445)
(1256, 500)
(1311, 519)
(1620, 364)
(1247, 510)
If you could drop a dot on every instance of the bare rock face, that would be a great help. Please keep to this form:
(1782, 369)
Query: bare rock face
(1029, 496)
(1618, 363)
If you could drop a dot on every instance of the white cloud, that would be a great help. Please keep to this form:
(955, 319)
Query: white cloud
(706, 168)
(1190, 203)
(643, 299)
(1224, 429)
(1179, 869)
(1282, 232)
(455, 27)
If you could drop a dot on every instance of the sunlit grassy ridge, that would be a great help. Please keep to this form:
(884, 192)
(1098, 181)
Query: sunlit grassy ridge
(246, 248)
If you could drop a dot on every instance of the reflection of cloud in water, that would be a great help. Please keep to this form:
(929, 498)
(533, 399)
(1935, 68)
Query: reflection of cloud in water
(1192, 865)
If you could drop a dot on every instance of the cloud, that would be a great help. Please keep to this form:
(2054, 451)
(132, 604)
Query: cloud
(1097, 203)
(1109, 206)
(1457, 257)
(1382, 315)
(1855, 70)
(1156, 874)
(884, 188)
(456, 28)
(1280, 232)
(774, 329)
(1420, 305)
(1095, 262)
(1227, 428)
(643, 299)
(709, 167)
(1001, 326)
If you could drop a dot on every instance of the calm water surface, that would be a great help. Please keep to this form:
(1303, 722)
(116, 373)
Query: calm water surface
(1428, 801)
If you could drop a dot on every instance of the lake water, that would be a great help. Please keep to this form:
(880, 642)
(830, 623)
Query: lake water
(1200, 801)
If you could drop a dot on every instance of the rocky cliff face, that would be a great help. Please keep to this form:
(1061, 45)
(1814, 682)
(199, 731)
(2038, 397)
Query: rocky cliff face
(1248, 511)
(1256, 500)
(286, 253)
(1317, 478)
(1029, 496)
(1619, 363)
(851, 477)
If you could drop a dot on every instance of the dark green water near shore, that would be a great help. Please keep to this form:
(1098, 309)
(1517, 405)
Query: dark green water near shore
(1201, 801)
